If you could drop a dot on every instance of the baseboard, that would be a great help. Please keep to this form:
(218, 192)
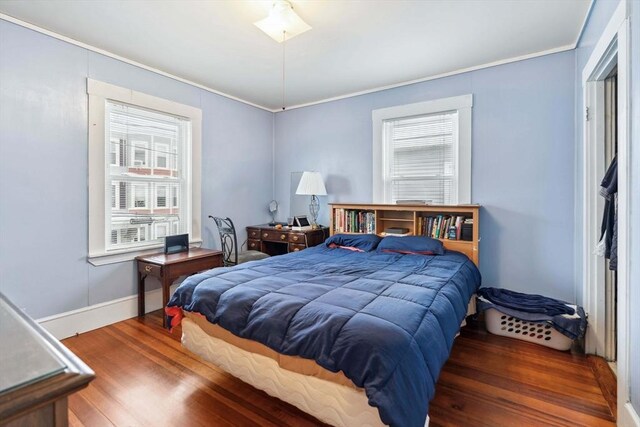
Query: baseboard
(96, 316)
(628, 416)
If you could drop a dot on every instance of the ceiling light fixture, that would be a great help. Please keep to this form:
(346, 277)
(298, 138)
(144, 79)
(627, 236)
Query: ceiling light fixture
(281, 25)
(282, 19)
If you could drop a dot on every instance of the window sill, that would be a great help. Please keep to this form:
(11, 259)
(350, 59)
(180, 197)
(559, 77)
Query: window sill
(115, 257)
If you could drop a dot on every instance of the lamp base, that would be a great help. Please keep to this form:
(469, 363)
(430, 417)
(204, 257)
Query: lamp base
(314, 209)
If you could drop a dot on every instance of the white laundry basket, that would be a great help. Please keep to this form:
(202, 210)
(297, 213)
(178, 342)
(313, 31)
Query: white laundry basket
(540, 333)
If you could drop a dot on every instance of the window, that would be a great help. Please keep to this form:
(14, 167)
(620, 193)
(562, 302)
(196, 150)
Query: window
(162, 153)
(142, 181)
(114, 147)
(113, 196)
(161, 196)
(139, 147)
(139, 196)
(423, 152)
(162, 229)
(125, 234)
(174, 197)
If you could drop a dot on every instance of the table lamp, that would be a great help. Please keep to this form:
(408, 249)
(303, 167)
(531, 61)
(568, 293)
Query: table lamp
(311, 184)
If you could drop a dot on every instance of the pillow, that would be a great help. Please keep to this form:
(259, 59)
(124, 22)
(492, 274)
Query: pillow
(362, 242)
(420, 245)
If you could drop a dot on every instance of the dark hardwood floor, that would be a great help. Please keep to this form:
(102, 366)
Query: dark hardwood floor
(145, 378)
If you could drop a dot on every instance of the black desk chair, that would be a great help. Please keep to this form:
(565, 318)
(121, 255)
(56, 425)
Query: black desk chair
(229, 242)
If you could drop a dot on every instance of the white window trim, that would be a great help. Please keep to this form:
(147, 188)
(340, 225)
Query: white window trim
(462, 104)
(99, 93)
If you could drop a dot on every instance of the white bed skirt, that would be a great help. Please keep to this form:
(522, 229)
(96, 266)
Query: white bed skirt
(329, 402)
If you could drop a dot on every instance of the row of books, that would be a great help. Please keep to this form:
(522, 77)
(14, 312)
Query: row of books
(354, 221)
(446, 227)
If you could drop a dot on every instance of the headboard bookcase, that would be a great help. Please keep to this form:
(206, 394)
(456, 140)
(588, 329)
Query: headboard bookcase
(411, 220)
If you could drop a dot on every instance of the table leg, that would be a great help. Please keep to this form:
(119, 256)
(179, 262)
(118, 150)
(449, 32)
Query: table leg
(141, 278)
(166, 286)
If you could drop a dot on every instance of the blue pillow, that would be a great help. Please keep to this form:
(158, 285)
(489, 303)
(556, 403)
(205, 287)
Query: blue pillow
(361, 242)
(420, 245)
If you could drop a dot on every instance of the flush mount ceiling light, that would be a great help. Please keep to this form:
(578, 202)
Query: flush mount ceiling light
(282, 23)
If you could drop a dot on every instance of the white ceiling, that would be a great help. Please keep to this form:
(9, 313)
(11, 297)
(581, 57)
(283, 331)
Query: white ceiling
(354, 46)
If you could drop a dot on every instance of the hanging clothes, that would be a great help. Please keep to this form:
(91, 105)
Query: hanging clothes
(609, 227)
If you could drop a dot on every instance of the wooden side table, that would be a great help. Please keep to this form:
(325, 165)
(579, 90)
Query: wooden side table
(168, 268)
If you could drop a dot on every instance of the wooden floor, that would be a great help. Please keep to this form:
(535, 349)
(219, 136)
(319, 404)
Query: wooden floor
(145, 378)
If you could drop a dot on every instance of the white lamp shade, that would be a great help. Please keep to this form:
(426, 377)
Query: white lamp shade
(282, 19)
(311, 184)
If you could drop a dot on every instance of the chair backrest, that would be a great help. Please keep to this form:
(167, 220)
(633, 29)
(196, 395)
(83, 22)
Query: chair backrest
(228, 240)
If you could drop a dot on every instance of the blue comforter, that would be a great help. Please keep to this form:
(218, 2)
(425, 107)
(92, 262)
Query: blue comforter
(386, 320)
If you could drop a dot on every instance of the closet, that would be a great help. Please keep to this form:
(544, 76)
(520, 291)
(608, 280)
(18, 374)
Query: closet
(609, 190)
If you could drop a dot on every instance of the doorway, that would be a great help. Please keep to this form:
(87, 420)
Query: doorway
(606, 299)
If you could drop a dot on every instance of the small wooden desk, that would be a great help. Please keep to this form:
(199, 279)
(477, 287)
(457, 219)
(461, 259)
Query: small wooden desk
(168, 268)
(273, 241)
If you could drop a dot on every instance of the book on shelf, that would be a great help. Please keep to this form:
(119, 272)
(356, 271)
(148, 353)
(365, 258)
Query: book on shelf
(354, 221)
(441, 226)
(412, 202)
(467, 230)
(397, 231)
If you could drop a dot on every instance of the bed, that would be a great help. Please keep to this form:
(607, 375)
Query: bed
(353, 338)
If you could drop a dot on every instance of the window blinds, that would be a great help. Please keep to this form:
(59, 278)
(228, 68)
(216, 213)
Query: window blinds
(146, 176)
(421, 154)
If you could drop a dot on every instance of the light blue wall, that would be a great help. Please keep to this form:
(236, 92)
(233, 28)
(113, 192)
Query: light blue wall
(43, 180)
(634, 255)
(522, 163)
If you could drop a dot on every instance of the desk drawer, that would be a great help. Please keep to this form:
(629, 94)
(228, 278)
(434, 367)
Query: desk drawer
(150, 269)
(253, 245)
(253, 233)
(295, 248)
(273, 236)
(297, 238)
(194, 265)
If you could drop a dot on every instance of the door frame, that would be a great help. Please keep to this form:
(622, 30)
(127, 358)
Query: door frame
(611, 48)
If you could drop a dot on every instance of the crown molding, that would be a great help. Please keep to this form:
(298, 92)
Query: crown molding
(436, 76)
(307, 104)
(125, 60)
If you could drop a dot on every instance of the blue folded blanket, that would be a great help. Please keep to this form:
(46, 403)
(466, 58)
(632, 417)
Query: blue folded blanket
(568, 319)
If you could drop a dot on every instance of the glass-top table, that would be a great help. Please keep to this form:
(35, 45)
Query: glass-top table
(25, 357)
(37, 372)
